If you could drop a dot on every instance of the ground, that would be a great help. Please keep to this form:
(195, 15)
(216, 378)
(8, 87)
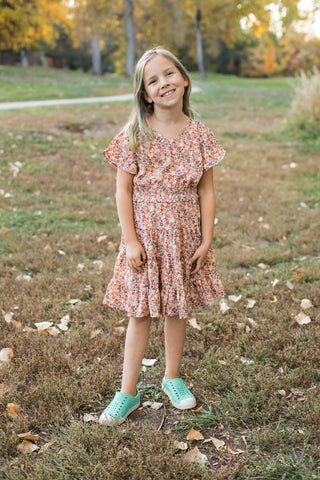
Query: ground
(253, 368)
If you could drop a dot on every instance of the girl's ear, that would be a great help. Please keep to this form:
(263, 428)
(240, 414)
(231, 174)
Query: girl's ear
(146, 97)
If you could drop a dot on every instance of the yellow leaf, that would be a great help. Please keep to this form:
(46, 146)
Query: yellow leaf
(197, 409)
(12, 410)
(194, 435)
(29, 436)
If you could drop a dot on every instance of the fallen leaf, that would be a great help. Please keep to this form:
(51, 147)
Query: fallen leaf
(8, 317)
(180, 445)
(251, 303)
(235, 299)
(197, 409)
(219, 444)
(87, 417)
(262, 266)
(80, 267)
(74, 301)
(12, 410)
(149, 362)
(61, 252)
(194, 435)
(43, 326)
(302, 319)
(195, 456)
(27, 447)
(290, 285)
(235, 452)
(17, 325)
(252, 322)
(29, 436)
(46, 446)
(5, 355)
(53, 331)
(194, 324)
(153, 405)
(246, 361)
(4, 389)
(95, 333)
(282, 392)
(305, 304)
(275, 282)
(224, 307)
(296, 391)
(102, 238)
(222, 362)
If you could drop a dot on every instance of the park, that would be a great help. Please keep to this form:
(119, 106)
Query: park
(251, 358)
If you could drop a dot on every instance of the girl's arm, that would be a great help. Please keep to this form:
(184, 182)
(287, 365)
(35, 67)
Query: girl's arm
(135, 253)
(207, 215)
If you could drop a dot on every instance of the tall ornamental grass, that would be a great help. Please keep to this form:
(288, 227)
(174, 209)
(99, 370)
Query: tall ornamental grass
(305, 113)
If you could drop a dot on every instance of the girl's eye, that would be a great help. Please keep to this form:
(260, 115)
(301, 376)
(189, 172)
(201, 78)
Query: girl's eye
(169, 73)
(152, 81)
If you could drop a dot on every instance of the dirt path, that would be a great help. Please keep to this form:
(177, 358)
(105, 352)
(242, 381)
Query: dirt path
(70, 101)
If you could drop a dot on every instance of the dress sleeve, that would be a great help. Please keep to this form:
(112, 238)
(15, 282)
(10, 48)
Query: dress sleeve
(212, 152)
(119, 154)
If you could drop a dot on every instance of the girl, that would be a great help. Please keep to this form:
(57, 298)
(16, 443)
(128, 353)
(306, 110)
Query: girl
(166, 206)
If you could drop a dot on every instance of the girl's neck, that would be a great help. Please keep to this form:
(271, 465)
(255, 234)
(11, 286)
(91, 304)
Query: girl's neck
(167, 118)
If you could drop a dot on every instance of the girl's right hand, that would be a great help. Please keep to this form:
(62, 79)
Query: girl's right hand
(135, 255)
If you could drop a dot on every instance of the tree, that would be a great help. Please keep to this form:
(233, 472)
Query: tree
(24, 24)
(131, 36)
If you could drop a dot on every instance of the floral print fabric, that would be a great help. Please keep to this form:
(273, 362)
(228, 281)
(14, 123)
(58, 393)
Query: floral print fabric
(167, 220)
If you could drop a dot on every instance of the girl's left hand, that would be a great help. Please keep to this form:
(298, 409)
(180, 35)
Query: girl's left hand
(198, 258)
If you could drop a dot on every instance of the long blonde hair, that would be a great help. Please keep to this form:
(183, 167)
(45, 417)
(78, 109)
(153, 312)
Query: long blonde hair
(137, 127)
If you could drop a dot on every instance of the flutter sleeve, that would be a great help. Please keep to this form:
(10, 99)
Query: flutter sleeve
(119, 154)
(211, 150)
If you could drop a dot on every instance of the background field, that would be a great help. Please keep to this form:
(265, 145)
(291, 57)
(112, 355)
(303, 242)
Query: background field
(255, 372)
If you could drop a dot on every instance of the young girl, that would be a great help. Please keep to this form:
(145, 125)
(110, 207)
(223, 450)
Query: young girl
(166, 206)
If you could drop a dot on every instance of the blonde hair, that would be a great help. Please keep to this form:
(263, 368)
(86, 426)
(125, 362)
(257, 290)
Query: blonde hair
(137, 127)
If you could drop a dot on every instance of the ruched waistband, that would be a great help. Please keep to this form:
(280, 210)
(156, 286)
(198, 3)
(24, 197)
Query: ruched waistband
(151, 196)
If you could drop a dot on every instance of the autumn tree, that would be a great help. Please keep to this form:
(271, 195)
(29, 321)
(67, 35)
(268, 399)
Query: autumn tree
(24, 24)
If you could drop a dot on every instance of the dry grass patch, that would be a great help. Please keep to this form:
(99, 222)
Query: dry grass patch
(254, 369)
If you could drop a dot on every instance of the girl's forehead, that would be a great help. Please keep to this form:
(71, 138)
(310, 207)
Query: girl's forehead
(156, 64)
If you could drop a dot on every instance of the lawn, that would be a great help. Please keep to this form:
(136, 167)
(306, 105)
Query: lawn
(254, 366)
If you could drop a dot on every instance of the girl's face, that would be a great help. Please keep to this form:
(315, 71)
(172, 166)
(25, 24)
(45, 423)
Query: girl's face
(164, 84)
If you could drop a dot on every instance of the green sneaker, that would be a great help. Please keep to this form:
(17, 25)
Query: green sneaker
(178, 393)
(120, 407)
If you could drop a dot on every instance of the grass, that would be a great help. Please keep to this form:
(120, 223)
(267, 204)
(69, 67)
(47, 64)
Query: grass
(255, 372)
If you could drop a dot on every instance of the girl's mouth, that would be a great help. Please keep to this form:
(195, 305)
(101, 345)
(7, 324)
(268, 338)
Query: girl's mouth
(169, 93)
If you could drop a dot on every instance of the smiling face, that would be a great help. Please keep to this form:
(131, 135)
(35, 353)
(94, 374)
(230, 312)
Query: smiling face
(164, 84)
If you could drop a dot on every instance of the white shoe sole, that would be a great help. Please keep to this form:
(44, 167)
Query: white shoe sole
(184, 404)
(106, 419)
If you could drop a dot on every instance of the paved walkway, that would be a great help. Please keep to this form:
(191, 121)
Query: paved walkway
(71, 101)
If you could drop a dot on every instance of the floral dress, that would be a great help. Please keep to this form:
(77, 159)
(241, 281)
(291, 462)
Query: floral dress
(167, 221)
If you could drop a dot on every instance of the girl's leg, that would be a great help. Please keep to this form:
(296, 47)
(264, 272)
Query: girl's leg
(135, 346)
(175, 335)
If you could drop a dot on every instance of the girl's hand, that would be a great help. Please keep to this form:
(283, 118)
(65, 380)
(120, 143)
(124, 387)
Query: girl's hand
(198, 258)
(135, 255)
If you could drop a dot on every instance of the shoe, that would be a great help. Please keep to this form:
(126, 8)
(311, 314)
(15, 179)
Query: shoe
(120, 407)
(178, 393)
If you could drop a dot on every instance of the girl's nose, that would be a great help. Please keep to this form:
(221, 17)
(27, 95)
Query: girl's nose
(163, 81)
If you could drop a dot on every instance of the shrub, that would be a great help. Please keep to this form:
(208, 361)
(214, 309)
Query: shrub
(305, 112)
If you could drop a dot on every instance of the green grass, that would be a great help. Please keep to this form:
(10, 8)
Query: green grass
(62, 201)
(40, 83)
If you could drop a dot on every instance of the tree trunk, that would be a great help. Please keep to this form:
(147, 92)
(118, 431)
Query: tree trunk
(23, 58)
(96, 56)
(131, 37)
(201, 67)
